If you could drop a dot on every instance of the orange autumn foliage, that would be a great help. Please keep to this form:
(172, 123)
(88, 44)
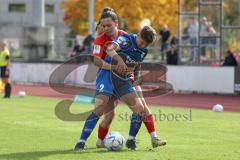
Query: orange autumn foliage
(159, 12)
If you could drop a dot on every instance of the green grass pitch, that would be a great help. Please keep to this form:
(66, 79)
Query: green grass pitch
(29, 130)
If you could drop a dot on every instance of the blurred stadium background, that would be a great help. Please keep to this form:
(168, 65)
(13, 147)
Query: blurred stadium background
(43, 34)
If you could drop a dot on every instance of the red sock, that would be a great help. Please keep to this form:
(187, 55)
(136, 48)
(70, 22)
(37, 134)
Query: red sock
(149, 123)
(102, 132)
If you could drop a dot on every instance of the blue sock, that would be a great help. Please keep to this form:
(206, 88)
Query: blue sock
(135, 125)
(89, 125)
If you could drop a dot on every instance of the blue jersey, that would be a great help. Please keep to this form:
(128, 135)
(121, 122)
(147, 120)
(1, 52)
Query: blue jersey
(129, 49)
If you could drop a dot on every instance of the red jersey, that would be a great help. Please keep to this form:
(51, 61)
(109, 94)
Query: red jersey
(101, 42)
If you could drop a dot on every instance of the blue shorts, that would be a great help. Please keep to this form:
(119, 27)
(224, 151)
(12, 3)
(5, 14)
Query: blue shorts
(4, 72)
(109, 84)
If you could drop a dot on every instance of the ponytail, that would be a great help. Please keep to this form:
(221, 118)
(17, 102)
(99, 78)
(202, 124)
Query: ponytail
(106, 13)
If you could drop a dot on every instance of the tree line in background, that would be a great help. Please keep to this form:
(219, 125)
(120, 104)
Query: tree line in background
(130, 13)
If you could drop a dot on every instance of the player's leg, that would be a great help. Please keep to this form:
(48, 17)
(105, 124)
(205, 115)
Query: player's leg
(104, 91)
(7, 88)
(124, 89)
(106, 122)
(101, 101)
(135, 104)
(103, 128)
(6, 82)
(148, 121)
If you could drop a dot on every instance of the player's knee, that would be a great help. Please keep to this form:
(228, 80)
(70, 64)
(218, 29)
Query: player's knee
(98, 112)
(99, 109)
(139, 108)
(101, 102)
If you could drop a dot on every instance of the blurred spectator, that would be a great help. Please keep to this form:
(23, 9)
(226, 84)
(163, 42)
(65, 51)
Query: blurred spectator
(212, 40)
(203, 26)
(77, 50)
(174, 40)
(88, 44)
(204, 36)
(193, 35)
(85, 48)
(165, 35)
(172, 56)
(11, 48)
(230, 59)
(186, 31)
(237, 57)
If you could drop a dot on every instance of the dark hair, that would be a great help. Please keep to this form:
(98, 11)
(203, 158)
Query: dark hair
(88, 40)
(107, 13)
(229, 52)
(148, 34)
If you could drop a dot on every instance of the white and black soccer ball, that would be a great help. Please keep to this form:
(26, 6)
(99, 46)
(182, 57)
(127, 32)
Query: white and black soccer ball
(114, 141)
(217, 108)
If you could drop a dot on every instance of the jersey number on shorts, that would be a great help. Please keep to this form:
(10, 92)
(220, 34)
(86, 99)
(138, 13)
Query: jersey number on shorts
(101, 88)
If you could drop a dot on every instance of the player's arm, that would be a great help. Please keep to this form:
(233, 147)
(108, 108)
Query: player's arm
(97, 54)
(99, 62)
(121, 67)
(137, 75)
(111, 51)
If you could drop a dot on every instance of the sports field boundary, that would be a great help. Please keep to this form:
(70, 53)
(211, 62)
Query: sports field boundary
(186, 100)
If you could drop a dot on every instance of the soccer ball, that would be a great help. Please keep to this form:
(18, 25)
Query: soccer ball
(21, 94)
(114, 141)
(217, 108)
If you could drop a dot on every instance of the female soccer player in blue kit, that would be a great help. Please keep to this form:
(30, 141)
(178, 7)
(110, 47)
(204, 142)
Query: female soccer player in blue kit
(130, 49)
